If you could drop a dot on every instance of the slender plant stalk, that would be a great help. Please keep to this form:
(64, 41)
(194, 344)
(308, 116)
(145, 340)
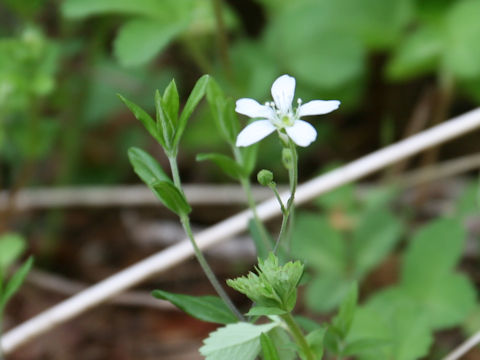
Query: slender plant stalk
(298, 336)
(247, 188)
(198, 253)
(287, 213)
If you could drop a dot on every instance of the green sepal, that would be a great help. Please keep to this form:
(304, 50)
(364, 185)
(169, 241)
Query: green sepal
(227, 164)
(206, 308)
(195, 96)
(145, 119)
(269, 351)
(171, 197)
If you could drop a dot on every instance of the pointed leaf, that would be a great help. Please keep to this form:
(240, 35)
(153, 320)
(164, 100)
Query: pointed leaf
(195, 96)
(227, 164)
(170, 102)
(171, 197)
(264, 311)
(11, 247)
(343, 321)
(206, 308)
(146, 167)
(269, 351)
(240, 341)
(15, 282)
(165, 125)
(144, 118)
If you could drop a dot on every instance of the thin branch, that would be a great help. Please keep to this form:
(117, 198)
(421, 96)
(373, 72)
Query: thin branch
(464, 348)
(223, 230)
(128, 195)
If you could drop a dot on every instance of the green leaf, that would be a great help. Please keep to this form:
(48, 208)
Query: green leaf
(140, 40)
(227, 164)
(144, 118)
(283, 343)
(146, 167)
(364, 347)
(463, 32)
(269, 351)
(171, 197)
(165, 125)
(195, 96)
(316, 242)
(84, 8)
(15, 282)
(170, 102)
(315, 341)
(265, 311)
(419, 53)
(249, 154)
(262, 245)
(343, 321)
(240, 341)
(326, 291)
(432, 253)
(11, 247)
(223, 111)
(206, 308)
(374, 238)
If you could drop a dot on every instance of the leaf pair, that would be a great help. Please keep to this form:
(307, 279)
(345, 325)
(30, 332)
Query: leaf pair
(169, 126)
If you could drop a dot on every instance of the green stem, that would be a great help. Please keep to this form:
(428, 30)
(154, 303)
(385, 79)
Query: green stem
(247, 188)
(207, 270)
(298, 336)
(287, 214)
(198, 253)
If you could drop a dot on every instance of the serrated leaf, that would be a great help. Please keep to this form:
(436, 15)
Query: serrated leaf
(146, 167)
(432, 253)
(374, 238)
(144, 118)
(265, 311)
(11, 247)
(171, 197)
(240, 341)
(140, 40)
(269, 351)
(15, 282)
(195, 96)
(227, 164)
(206, 308)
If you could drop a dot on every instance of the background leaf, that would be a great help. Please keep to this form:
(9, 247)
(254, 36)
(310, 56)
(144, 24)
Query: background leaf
(11, 247)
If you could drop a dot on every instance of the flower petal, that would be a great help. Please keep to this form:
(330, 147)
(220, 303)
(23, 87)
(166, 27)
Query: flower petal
(254, 132)
(283, 90)
(318, 107)
(252, 108)
(302, 133)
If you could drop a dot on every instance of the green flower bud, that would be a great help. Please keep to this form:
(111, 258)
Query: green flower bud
(265, 177)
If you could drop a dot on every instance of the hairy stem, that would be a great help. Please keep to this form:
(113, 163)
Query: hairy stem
(298, 336)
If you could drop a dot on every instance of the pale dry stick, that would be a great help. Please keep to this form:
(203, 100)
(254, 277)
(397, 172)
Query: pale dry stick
(127, 195)
(464, 347)
(175, 254)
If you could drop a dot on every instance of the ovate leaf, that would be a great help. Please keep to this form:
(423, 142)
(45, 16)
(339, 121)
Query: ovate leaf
(240, 341)
(171, 197)
(11, 247)
(206, 308)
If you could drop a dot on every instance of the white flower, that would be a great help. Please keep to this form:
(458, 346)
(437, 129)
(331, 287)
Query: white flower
(279, 115)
